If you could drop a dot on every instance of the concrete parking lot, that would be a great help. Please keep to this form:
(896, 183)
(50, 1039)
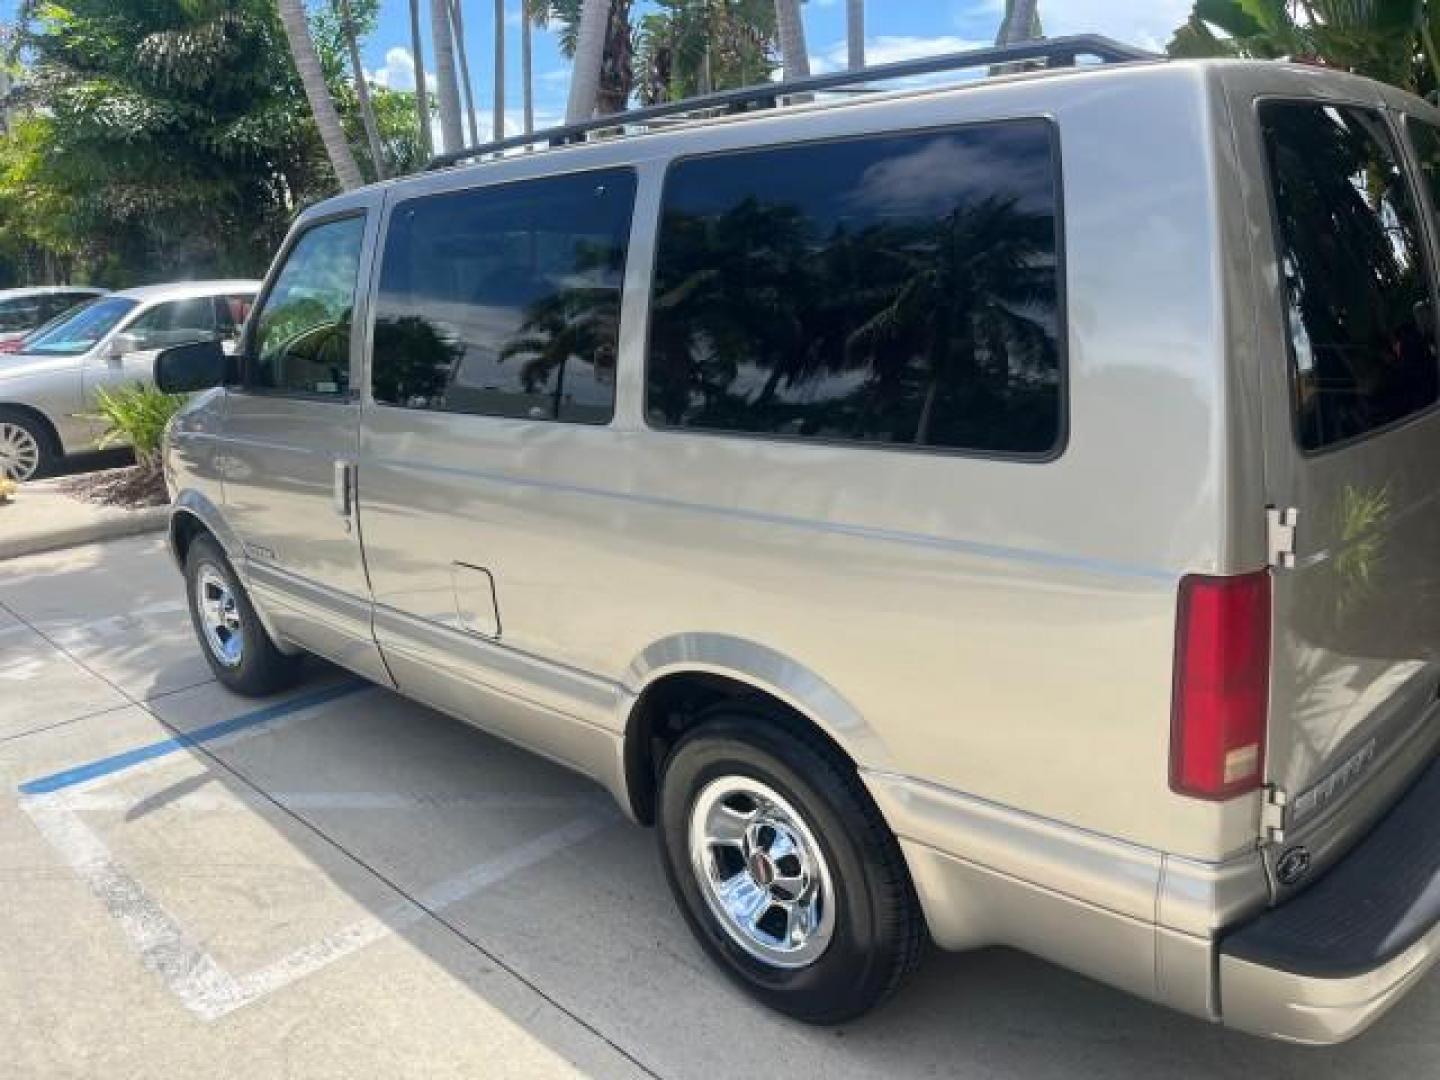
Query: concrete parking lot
(342, 883)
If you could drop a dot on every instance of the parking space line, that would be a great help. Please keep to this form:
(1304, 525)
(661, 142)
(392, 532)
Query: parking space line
(105, 766)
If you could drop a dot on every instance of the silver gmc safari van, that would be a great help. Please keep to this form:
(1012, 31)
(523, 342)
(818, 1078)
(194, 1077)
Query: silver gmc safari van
(1000, 512)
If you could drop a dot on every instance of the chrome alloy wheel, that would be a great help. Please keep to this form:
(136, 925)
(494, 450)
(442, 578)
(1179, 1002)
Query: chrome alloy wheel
(762, 872)
(219, 616)
(19, 452)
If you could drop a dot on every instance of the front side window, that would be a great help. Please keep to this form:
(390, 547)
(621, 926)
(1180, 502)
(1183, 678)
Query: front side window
(178, 322)
(505, 301)
(1357, 287)
(80, 331)
(896, 290)
(301, 342)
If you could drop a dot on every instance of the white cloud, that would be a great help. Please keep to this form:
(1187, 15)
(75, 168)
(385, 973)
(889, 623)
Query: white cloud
(398, 72)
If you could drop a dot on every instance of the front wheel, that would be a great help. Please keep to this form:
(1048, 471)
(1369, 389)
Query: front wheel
(240, 652)
(784, 868)
(27, 449)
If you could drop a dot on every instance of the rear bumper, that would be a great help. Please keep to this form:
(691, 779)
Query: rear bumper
(1326, 964)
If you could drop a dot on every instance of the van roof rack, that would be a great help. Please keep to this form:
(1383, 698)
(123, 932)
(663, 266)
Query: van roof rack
(1056, 52)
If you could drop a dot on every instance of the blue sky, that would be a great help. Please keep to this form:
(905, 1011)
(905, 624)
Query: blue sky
(895, 29)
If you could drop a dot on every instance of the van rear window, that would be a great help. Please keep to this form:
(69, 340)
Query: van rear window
(897, 289)
(1357, 287)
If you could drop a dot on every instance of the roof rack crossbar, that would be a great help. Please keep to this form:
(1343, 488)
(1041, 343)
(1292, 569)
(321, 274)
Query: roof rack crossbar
(1056, 52)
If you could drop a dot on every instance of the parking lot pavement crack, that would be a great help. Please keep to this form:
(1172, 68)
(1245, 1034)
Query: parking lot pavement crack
(215, 992)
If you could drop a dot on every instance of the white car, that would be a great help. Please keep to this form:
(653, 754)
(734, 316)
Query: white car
(24, 310)
(47, 390)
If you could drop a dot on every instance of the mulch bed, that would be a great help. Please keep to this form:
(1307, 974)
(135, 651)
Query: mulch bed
(133, 487)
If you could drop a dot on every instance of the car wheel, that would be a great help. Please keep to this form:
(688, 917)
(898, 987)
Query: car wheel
(784, 868)
(240, 652)
(27, 449)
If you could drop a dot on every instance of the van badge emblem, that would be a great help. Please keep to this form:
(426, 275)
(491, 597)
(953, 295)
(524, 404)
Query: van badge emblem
(1293, 865)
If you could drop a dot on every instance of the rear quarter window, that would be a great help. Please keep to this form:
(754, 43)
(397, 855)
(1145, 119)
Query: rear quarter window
(898, 290)
(1357, 285)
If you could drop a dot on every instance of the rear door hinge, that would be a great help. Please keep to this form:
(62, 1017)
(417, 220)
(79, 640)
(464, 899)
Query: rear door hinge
(1272, 814)
(1280, 527)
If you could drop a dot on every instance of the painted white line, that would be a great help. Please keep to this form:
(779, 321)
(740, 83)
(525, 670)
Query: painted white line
(312, 958)
(192, 974)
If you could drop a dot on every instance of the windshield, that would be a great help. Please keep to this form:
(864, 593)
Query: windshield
(78, 331)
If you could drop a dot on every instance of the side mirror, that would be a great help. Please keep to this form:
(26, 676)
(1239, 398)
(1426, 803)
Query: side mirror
(200, 365)
(122, 345)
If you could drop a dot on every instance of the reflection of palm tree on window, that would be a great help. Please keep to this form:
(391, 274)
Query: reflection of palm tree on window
(418, 363)
(963, 293)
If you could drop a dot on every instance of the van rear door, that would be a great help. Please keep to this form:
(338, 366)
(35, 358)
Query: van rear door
(1352, 446)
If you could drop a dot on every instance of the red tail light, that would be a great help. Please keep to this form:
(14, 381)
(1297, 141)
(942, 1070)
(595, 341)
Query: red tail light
(1222, 685)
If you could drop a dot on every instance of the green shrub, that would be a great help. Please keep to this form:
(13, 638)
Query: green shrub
(136, 415)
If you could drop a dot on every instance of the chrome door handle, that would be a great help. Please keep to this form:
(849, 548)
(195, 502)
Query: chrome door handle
(342, 498)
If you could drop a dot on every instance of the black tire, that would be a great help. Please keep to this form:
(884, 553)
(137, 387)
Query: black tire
(48, 454)
(259, 667)
(878, 934)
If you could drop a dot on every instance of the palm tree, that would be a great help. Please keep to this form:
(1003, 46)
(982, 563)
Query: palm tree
(1021, 22)
(472, 121)
(447, 90)
(362, 90)
(500, 68)
(422, 101)
(527, 77)
(312, 78)
(855, 33)
(689, 47)
(794, 56)
(589, 58)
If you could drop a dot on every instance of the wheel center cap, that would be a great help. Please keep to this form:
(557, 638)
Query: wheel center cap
(761, 868)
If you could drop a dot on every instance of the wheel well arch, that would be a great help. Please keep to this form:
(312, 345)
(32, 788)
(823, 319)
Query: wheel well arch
(673, 703)
(184, 528)
(48, 427)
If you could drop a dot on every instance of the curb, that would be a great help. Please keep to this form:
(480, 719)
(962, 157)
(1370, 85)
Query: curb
(111, 527)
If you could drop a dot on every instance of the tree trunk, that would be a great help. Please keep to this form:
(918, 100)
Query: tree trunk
(422, 101)
(362, 92)
(527, 79)
(499, 125)
(794, 56)
(855, 33)
(327, 120)
(447, 90)
(472, 121)
(1019, 22)
(589, 56)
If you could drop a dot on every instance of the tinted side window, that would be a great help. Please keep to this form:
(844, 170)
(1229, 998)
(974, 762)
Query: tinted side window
(1357, 288)
(899, 289)
(302, 339)
(177, 323)
(505, 301)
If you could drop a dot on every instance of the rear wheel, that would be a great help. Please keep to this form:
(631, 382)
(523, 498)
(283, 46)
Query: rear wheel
(784, 868)
(27, 449)
(240, 652)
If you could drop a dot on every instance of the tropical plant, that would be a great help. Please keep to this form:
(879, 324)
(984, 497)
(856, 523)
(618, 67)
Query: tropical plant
(462, 55)
(527, 63)
(362, 89)
(447, 89)
(1390, 40)
(317, 92)
(499, 93)
(689, 47)
(422, 101)
(136, 415)
(855, 34)
(794, 54)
